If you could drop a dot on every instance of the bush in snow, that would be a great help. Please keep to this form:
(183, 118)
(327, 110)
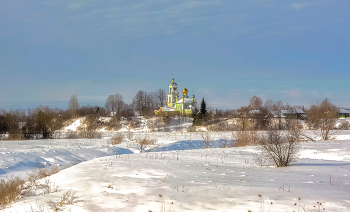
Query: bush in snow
(143, 142)
(116, 139)
(207, 139)
(278, 147)
(10, 190)
(323, 116)
(68, 198)
(245, 138)
(89, 128)
(114, 123)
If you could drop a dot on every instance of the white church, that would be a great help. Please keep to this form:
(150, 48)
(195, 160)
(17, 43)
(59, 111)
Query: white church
(174, 105)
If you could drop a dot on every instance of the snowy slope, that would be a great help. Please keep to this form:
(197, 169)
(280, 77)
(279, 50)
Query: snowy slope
(222, 179)
(74, 125)
(19, 157)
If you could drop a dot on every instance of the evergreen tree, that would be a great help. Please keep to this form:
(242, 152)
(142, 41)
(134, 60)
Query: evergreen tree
(197, 117)
(203, 108)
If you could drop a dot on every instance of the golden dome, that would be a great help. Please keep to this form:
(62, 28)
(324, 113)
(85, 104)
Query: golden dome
(185, 91)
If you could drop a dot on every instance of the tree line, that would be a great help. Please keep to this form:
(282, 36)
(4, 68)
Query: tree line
(42, 122)
(320, 115)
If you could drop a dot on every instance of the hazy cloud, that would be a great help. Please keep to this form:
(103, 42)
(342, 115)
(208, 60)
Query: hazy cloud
(196, 4)
(304, 5)
(76, 5)
(292, 93)
(300, 6)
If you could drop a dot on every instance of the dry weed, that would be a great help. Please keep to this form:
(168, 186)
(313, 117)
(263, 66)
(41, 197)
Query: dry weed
(50, 187)
(192, 128)
(68, 198)
(162, 209)
(207, 139)
(245, 138)
(116, 139)
(143, 142)
(15, 135)
(10, 190)
(40, 207)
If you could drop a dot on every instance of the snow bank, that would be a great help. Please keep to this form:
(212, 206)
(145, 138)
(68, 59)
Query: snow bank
(207, 180)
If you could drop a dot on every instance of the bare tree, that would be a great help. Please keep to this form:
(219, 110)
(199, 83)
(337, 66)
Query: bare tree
(74, 105)
(139, 102)
(143, 142)
(323, 116)
(90, 110)
(9, 123)
(255, 103)
(161, 97)
(269, 105)
(243, 118)
(153, 103)
(115, 104)
(150, 104)
(47, 121)
(278, 105)
(280, 147)
(260, 121)
(128, 111)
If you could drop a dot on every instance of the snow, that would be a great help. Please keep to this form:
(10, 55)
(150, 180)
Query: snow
(167, 109)
(118, 178)
(277, 114)
(75, 125)
(18, 157)
(344, 111)
(292, 111)
(186, 100)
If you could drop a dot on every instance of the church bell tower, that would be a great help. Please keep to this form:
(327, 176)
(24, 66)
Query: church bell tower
(173, 94)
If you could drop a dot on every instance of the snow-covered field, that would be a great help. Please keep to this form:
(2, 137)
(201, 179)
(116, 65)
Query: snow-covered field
(118, 178)
(18, 157)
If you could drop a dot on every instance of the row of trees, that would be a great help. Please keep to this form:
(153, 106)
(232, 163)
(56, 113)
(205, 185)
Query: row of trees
(145, 103)
(33, 123)
(44, 121)
(254, 116)
(320, 115)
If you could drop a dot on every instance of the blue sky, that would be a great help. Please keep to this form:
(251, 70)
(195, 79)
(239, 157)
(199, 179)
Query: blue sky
(225, 51)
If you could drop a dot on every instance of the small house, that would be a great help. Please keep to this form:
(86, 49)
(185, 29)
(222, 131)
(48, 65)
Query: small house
(344, 113)
(275, 114)
(294, 113)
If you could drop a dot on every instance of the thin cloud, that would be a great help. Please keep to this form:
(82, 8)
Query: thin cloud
(206, 91)
(305, 5)
(292, 93)
(301, 6)
(76, 5)
(197, 4)
(153, 17)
